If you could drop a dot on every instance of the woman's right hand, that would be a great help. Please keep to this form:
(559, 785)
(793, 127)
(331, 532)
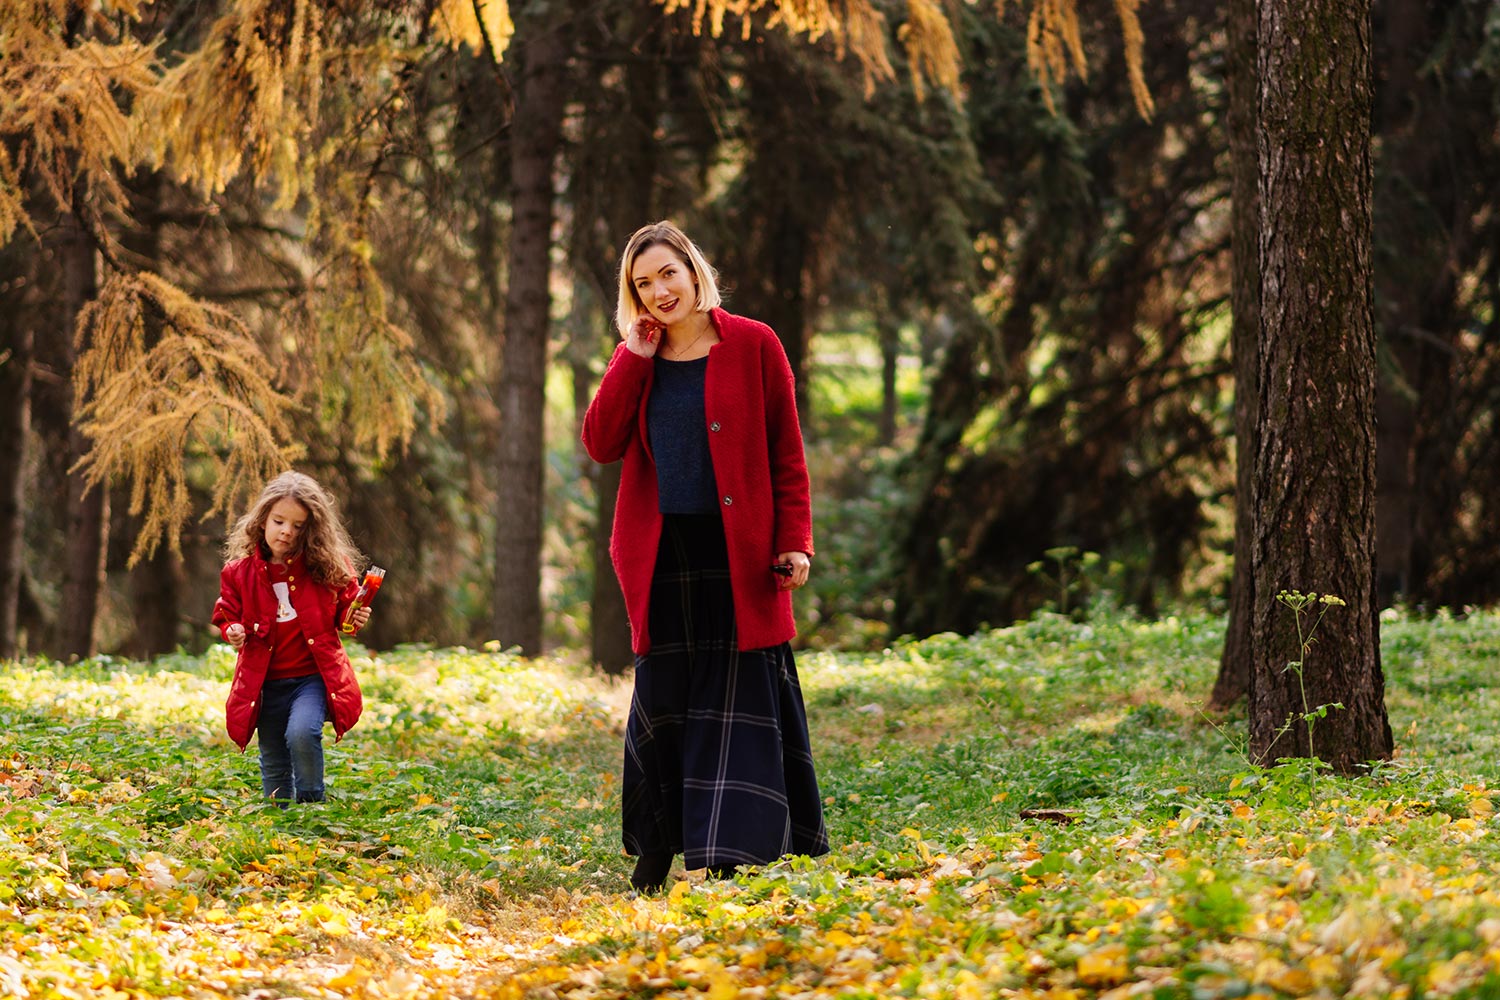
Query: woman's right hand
(644, 335)
(235, 634)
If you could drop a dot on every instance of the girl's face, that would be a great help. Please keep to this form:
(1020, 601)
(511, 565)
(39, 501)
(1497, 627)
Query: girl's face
(285, 525)
(664, 284)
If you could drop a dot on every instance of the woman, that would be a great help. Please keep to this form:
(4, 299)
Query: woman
(712, 533)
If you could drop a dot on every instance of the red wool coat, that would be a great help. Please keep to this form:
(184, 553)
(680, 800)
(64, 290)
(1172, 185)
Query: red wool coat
(245, 596)
(750, 409)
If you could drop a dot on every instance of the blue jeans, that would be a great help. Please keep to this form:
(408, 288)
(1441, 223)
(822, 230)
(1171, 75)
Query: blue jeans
(292, 713)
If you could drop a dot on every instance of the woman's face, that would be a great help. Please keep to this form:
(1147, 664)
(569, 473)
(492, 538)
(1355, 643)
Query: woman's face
(664, 284)
(284, 527)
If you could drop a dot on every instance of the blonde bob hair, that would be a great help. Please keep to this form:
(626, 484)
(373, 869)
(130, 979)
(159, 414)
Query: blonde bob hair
(329, 554)
(629, 308)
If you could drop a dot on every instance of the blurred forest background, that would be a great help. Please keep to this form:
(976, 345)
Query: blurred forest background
(345, 237)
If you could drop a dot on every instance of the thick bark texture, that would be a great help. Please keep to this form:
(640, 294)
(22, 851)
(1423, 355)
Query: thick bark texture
(535, 129)
(1234, 664)
(1315, 448)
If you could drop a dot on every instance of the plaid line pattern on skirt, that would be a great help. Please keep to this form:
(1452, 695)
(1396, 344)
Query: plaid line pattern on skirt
(718, 766)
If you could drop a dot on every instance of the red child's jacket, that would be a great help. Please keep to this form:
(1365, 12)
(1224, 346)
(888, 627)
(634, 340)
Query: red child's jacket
(245, 596)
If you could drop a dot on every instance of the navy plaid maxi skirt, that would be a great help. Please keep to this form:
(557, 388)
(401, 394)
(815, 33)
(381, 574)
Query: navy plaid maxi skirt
(718, 767)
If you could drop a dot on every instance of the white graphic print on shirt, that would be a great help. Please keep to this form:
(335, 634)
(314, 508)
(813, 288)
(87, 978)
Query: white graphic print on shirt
(284, 611)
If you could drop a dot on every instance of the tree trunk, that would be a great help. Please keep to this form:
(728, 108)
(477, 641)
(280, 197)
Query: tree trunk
(1315, 447)
(15, 430)
(889, 328)
(786, 305)
(621, 154)
(156, 582)
(610, 636)
(87, 508)
(1396, 500)
(785, 203)
(156, 586)
(609, 626)
(1425, 227)
(1244, 293)
(535, 131)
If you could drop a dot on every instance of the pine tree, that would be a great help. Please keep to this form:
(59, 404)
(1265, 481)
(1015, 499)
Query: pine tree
(1315, 416)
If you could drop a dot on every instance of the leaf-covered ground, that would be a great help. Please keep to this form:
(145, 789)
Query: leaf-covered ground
(472, 848)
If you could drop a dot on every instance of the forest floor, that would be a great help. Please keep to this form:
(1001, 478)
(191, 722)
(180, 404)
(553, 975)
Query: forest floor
(1038, 811)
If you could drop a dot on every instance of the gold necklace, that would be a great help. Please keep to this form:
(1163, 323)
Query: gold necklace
(676, 354)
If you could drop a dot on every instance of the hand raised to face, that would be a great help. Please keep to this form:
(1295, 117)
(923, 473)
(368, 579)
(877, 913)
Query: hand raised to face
(644, 335)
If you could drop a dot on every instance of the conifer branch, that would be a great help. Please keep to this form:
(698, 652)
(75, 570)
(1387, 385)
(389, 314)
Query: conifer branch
(202, 393)
(930, 47)
(1054, 38)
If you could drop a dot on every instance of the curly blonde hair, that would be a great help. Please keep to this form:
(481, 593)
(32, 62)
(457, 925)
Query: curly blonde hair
(331, 556)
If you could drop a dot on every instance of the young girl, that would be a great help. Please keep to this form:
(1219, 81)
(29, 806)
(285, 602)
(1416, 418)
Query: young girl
(288, 580)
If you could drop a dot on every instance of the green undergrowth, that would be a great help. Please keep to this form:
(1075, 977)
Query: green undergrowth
(1038, 810)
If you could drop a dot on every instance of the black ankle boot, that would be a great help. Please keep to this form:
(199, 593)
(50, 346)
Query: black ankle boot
(723, 871)
(651, 872)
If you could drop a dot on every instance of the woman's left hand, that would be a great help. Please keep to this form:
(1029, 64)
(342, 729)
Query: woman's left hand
(801, 565)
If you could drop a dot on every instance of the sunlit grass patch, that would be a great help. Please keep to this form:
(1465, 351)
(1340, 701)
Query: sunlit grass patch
(1040, 810)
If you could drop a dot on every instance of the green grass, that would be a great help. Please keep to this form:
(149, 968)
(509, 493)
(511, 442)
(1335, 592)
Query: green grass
(472, 838)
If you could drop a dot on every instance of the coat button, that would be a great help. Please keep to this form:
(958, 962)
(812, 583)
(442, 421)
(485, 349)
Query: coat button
(309, 642)
(728, 501)
(714, 426)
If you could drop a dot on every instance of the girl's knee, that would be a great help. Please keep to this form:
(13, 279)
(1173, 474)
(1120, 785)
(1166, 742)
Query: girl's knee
(305, 738)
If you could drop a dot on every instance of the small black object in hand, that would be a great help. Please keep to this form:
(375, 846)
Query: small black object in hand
(782, 569)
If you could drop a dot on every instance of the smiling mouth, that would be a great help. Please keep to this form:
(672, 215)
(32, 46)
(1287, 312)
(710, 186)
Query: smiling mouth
(666, 307)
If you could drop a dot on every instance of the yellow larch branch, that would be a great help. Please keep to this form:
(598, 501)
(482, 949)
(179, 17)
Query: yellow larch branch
(1135, 44)
(473, 23)
(202, 384)
(930, 47)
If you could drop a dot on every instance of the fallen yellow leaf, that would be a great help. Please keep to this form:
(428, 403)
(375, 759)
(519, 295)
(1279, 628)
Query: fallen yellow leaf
(1107, 965)
(355, 975)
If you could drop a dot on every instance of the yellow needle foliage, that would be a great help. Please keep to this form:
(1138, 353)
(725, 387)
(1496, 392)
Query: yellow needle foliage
(203, 379)
(166, 380)
(930, 48)
(66, 107)
(252, 89)
(1054, 37)
(1054, 46)
(479, 24)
